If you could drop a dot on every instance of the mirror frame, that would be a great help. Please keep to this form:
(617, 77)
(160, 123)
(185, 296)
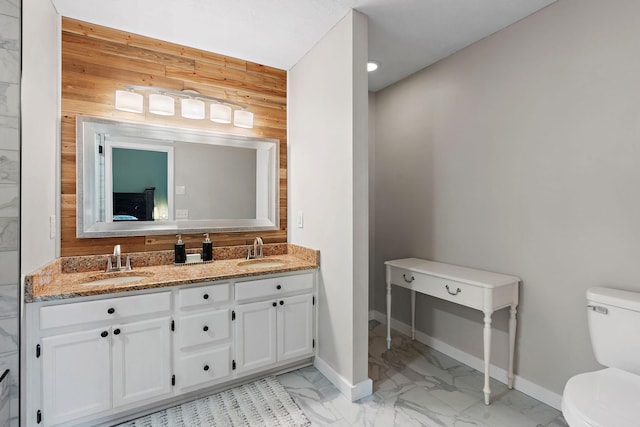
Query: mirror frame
(87, 227)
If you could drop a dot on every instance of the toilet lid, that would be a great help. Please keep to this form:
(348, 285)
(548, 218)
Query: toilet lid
(606, 398)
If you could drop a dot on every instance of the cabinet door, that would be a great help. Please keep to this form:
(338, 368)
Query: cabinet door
(295, 327)
(141, 360)
(255, 335)
(76, 375)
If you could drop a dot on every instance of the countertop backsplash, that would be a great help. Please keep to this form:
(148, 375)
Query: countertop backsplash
(70, 277)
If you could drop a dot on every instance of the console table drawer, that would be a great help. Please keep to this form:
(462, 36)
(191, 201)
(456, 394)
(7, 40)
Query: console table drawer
(450, 290)
(457, 292)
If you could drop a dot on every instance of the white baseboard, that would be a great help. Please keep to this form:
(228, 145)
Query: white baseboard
(353, 392)
(521, 384)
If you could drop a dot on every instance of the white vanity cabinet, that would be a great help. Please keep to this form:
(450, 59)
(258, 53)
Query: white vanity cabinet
(76, 375)
(99, 360)
(99, 355)
(141, 360)
(279, 326)
(203, 336)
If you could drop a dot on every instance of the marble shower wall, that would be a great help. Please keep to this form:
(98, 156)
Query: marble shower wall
(9, 194)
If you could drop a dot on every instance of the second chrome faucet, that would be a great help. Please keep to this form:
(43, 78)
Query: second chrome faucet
(257, 249)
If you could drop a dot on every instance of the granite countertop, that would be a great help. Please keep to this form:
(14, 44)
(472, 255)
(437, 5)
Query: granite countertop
(71, 277)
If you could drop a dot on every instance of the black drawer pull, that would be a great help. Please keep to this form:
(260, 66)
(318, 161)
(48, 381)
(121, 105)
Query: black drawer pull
(206, 367)
(404, 276)
(206, 328)
(274, 304)
(116, 331)
(279, 287)
(281, 302)
(104, 334)
(111, 310)
(453, 293)
(205, 296)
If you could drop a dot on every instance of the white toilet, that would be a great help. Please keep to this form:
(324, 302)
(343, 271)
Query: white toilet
(609, 397)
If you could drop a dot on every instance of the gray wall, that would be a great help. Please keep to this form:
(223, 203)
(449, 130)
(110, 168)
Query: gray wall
(328, 183)
(372, 199)
(9, 193)
(521, 155)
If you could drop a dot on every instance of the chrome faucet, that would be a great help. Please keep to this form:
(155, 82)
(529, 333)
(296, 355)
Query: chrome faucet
(257, 249)
(118, 267)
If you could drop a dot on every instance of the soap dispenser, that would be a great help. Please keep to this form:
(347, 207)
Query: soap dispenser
(207, 249)
(180, 256)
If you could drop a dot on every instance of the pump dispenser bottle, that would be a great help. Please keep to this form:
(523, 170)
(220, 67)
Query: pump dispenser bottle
(180, 256)
(207, 248)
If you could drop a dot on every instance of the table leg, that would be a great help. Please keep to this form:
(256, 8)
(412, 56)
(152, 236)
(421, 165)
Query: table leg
(413, 314)
(388, 314)
(487, 355)
(512, 344)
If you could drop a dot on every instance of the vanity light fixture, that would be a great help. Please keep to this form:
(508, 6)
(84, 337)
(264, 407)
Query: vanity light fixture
(220, 113)
(243, 119)
(162, 104)
(192, 108)
(129, 101)
(192, 105)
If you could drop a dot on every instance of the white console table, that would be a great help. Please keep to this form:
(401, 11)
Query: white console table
(482, 290)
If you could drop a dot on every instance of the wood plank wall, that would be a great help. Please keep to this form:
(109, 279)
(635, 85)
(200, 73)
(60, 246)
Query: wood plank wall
(96, 61)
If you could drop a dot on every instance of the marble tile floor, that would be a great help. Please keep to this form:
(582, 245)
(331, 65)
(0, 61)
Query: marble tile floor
(415, 385)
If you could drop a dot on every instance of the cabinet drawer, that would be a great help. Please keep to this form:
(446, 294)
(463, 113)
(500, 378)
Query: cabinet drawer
(204, 367)
(450, 290)
(55, 316)
(204, 295)
(204, 328)
(273, 287)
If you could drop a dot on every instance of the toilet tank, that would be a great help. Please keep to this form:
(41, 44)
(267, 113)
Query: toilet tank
(614, 325)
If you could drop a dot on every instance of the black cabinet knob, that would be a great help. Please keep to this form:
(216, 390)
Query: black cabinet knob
(274, 304)
(206, 367)
(104, 334)
(111, 310)
(205, 296)
(281, 302)
(206, 328)
(279, 287)
(116, 331)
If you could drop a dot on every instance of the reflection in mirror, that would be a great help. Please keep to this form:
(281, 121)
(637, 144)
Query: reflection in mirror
(139, 179)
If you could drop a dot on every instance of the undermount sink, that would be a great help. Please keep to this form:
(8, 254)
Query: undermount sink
(115, 278)
(261, 263)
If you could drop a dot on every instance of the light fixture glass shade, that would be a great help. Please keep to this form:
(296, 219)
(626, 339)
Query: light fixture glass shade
(192, 108)
(220, 113)
(243, 119)
(161, 104)
(129, 101)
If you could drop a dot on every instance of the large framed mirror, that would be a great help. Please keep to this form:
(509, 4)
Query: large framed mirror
(141, 179)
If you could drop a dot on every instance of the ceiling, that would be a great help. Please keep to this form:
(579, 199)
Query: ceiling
(404, 35)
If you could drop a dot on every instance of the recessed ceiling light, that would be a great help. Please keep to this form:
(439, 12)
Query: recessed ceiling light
(372, 66)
